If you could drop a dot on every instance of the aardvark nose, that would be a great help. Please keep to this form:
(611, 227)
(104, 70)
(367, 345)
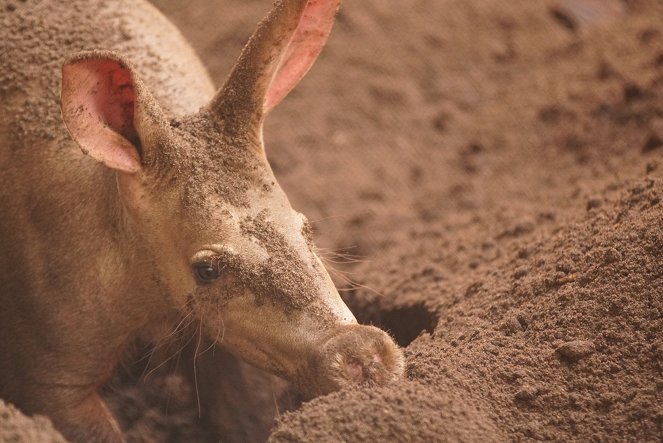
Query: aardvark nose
(354, 354)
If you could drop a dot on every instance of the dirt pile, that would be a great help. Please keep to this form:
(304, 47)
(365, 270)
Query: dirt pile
(413, 412)
(559, 338)
(16, 427)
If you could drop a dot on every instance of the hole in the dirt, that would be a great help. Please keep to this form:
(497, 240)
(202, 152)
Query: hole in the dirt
(407, 322)
(404, 323)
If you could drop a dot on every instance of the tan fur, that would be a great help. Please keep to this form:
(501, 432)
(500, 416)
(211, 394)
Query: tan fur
(90, 257)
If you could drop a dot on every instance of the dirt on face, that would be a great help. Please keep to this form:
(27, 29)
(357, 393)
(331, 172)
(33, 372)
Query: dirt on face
(217, 159)
(284, 278)
(496, 168)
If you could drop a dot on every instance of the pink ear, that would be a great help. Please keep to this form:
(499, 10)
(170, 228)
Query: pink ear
(97, 101)
(306, 43)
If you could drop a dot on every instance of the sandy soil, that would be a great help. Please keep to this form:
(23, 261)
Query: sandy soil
(16, 427)
(486, 177)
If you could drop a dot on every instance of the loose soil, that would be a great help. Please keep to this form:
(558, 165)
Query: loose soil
(486, 178)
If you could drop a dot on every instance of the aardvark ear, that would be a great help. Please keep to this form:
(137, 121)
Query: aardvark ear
(107, 110)
(275, 59)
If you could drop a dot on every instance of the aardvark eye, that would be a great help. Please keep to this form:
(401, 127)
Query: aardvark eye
(205, 272)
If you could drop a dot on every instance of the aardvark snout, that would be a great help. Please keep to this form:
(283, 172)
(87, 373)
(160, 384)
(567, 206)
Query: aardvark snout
(355, 354)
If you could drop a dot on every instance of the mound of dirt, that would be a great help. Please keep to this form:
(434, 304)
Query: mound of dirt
(16, 427)
(560, 338)
(413, 412)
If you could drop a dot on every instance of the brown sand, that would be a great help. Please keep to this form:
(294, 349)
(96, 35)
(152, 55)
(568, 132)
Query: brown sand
(16, 427)
(497, 167)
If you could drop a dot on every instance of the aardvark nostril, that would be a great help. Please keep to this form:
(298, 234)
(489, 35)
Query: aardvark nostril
(354, 370)
(371, 370)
